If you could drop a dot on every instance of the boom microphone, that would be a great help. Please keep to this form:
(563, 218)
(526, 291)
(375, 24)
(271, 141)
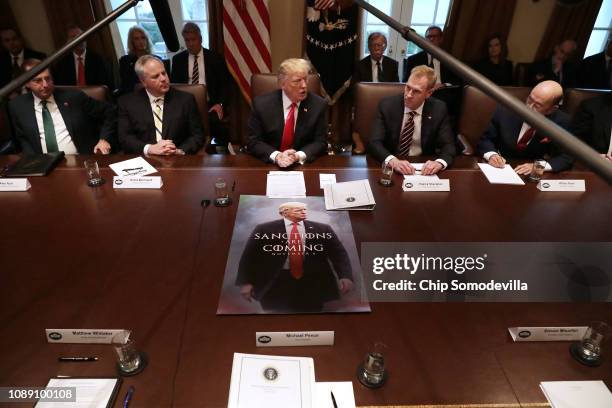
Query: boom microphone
(163, 15)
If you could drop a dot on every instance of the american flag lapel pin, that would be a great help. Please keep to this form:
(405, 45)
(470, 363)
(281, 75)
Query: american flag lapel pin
(305, 109)
(66, 104)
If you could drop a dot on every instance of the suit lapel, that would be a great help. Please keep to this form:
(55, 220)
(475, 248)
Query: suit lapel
(278, 116)
(66, 110)
(32, 124)
(168, 113)
(425, 123)
(301, 119)
(148, 115)
(397, 120)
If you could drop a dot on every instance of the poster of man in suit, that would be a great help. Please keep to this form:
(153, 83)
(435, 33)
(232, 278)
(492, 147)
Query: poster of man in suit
(291, 256)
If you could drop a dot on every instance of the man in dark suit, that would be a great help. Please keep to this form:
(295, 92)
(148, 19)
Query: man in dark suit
(158, 120)
(13, 55)
(508, 136)
(199, 65)
(286, 263)
(413, 124)
(444, 76)
(82, 66)
(559, 67)
(596, 70)
(593, 124)
(288, 126)
(376, 67)
(49, 120)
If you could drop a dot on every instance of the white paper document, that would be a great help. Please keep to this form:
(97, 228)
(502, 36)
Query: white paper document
(133, 167)
(326, 178)
(506, 175)
(349, 195)
(577, 394)
(260, 381)
(285, 184)
(90, 392)
(343, 394)
(420, 177)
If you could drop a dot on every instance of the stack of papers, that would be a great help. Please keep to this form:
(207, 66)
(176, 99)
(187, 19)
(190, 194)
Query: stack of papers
(260, 381)
(285, 184)
(349, 195)
(90, 392)
(577, 394)
(505, 175)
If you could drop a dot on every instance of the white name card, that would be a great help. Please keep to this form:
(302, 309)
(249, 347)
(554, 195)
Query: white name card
(288, 339)
(547, 333)
(561, 185)
(426, 185)
(14, 184)
(100, 336)
(137, 182)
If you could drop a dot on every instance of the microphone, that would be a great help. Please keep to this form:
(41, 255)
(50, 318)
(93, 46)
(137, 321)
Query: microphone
(163, 15)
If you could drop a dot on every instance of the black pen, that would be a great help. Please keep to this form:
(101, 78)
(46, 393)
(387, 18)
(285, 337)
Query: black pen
(333, 399)
(78, 359)
(128, 397)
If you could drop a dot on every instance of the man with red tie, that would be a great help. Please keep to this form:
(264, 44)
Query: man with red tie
(286, 263)
(288, 126)
(509, 137)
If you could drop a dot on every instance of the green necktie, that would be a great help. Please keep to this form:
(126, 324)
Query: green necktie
(50, 139)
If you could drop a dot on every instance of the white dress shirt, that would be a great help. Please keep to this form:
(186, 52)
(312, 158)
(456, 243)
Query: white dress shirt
(201, 71)
(64, 141)
(375, 70)
(526, 126)
(19, 58)
(286, 105)
(436, 68)
(610, 145)
(152, 100)
(415, 146)
(301, 230)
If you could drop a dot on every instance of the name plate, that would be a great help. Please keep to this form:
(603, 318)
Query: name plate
(433, 185)
(572, 333)
(293, 339)
(14, 184)
(561, 185)
(100, 336)
(137, 182)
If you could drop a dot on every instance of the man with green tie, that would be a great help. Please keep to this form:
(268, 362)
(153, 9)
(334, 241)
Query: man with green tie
(48, 120)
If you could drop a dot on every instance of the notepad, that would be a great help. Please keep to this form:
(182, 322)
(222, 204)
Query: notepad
(285, 184)
(577, 394)
(90, 392)
(505, 175)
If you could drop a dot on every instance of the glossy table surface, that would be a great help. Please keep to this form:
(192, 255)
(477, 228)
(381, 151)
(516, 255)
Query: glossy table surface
(153, 260)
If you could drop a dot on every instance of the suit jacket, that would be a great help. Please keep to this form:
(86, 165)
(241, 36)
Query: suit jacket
(593, 122)
(266, 125)
(501, 74)
(6, 63)
(502, 134)
(436, 133)
(593, 73)
(420, 58)
(214, 69)
(544, 68)
(96, 72)
(363, 70)
(261, 266)
(181, 121)
(87, 121)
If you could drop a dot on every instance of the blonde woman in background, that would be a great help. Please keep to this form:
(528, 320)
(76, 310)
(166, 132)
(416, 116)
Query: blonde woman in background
(138, 44)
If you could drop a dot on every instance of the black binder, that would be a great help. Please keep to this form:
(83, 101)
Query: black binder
(34, 165)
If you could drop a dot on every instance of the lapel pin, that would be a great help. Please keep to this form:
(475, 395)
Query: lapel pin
(305, 109)
(429, 117)
(66, 104)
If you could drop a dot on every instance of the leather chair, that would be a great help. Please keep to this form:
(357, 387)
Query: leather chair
(521, 74)
(574, 96)
(264, 83)
(99, 92)
(367, 95)
(477, 110)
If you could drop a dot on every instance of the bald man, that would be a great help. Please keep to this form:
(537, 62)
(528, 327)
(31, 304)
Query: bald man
(287, 263)
(509, 137)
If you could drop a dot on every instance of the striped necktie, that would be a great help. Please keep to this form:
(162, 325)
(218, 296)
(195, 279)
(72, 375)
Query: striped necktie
(195, 77)
(406, 135)
(158, 116)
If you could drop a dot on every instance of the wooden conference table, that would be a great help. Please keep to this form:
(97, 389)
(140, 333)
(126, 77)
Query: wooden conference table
(153, 262)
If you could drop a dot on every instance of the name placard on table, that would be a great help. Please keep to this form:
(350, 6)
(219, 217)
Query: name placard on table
(561, 185)
(572, 333)
(137, 182)
(14, 184)
(297, 338)
(425, 183)
(99, 336)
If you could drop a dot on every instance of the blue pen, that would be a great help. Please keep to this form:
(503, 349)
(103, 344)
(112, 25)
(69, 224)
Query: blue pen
(128, 397)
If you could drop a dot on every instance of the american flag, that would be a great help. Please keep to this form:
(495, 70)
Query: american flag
(323, 4)
(246, 34)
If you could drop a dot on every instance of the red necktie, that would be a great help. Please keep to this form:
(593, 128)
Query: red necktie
(81, 72)
(296, 254)
(524, 141)
(287, 141)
